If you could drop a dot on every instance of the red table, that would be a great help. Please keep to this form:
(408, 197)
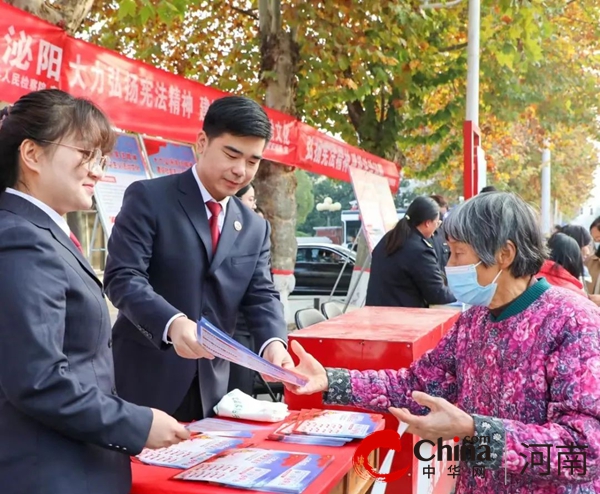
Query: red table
(378, 338)
(157, 480)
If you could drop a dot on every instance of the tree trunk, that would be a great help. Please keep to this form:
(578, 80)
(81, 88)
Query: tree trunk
(68, 14)
(275, 183)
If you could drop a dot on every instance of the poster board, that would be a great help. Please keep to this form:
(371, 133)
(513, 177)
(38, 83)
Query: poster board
(127, 165)
(168, 157)
(378, 216)
(375, 203)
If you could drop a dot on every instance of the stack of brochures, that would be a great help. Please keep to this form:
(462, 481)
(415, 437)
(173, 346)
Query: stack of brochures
(260, 469)
(225, 428)
(326, 427)
(188, 453)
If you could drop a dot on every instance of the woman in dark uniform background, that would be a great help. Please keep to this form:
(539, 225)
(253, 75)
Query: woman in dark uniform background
(404, 268)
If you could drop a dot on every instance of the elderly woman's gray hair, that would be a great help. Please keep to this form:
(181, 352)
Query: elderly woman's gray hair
(488, 221)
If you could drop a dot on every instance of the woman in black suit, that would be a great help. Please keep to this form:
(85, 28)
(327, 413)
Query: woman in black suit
(404, 268)
(63, 427)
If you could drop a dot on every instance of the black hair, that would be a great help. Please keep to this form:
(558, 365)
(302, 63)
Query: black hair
(441, 200)
(488, 188)
(565, 251)
(596, 224)
(422, 209)
(579, 233)
(243, 190)
(238, 116)
(48, 116)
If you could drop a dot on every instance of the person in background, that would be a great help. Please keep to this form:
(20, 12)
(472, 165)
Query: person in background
(593, 263)
(582, 237)
(183, 247)
(488, 188)
(247, 196)
(63, 427)
(565, 266)
(519, 367)
(259, 212)
(404, 267)
(585, 242)
(438, 239)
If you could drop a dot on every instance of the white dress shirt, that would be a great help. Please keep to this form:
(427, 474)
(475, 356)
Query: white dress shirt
(54, 216)
(207, 198)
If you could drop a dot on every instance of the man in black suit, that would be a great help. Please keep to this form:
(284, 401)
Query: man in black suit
(183, 247)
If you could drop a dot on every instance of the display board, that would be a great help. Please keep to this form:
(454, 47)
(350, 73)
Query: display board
(168, 157)
(375, 203)
(128, 165)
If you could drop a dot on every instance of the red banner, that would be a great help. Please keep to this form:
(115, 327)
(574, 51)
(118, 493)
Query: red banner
(141, 98)
(31, 53)
(323, 154)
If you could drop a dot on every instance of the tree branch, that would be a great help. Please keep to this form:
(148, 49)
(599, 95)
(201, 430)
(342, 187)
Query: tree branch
(460, 46)
(355, 112)
(248, 13)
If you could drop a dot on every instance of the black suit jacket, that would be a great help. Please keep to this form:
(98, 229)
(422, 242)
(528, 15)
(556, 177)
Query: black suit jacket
(160, 263)
(410, 277)
(63, 428)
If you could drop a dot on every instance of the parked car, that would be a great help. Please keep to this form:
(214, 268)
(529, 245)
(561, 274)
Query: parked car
(318, 266)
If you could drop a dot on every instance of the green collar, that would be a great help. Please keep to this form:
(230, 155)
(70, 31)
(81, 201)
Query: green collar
(523, 301)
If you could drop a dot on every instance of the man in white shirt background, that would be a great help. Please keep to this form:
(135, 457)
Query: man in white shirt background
(183, 248)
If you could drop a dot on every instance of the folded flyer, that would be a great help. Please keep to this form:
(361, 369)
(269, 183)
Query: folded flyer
(188, 453)
(334, 423)
(260, 469)
(285, 433)
(224, 346)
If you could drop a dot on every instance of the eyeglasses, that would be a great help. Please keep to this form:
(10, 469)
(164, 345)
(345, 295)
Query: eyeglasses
(93, 159)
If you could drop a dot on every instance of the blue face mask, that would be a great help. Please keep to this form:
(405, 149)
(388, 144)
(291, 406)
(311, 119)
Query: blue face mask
(462, 281)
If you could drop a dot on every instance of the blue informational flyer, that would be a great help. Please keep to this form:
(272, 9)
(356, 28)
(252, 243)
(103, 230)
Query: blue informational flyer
(224, 346)
(334, 423)
(285, 433)
(260, 469)
(188, 453)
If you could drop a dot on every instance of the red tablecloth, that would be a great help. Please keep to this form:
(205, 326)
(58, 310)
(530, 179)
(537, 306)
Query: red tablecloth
(158, 480)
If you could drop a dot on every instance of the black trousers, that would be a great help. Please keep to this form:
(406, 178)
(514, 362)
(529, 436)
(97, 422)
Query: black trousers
(191, 406)
(240, 377)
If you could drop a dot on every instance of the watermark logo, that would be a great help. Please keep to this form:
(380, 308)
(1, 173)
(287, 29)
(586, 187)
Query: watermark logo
(476, 448)
(386, 439)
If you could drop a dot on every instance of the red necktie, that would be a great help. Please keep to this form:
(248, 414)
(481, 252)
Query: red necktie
(215, 209)
(75, 241)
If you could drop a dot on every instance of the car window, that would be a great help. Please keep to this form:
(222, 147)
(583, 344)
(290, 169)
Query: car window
(328, 256)
(301, 255)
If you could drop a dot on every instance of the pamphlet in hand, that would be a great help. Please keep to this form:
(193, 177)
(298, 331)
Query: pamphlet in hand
(224, 346)
(224, 428)
(188, 453)
(260, 469)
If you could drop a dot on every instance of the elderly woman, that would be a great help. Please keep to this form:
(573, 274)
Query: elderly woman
(522, 366)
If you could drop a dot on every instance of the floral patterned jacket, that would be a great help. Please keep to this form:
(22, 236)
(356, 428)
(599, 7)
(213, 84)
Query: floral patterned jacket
(529, 377)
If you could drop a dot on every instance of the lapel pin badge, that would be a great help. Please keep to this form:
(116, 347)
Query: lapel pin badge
(237, 225)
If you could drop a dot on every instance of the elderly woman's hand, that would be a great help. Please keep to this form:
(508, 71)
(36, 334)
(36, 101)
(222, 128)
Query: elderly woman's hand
(444, 420)
(310, 368)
